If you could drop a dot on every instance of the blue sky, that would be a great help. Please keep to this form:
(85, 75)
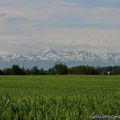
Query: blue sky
(98, 3)
(28, 25)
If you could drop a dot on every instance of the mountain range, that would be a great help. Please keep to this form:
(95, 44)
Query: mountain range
(45, 58)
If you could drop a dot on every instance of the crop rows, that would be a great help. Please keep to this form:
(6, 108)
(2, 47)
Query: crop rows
(21, 102)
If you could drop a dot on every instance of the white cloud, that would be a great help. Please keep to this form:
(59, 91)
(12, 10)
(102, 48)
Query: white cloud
(62, 38)
(49, 23)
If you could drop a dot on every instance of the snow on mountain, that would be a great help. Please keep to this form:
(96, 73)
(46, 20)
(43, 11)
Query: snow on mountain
(47, 57)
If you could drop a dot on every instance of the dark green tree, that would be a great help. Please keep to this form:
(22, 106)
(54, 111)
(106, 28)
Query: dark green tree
(1, 72)
(16, 70)
(51, 71)
(35, 71)
(60, 69)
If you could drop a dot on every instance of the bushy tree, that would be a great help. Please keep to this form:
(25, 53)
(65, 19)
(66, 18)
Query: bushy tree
(43, 72)
(7, 71)
(83, 70)
(60, 69)
(35, 71)
(51, 71)
(1, 72)
(16, 70)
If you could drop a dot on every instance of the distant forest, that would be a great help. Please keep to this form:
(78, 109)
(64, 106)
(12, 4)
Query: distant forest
(62, 69)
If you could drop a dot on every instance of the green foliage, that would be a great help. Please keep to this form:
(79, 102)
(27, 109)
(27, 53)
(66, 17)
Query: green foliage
(60, 69)
(35, 71)
(58, 97)
(1, 72)
(16, 70)
(84, 70)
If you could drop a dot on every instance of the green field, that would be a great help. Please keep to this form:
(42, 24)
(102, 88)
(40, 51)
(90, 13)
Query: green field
(58, 97)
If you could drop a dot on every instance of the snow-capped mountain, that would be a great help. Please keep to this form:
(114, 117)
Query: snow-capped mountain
(47, 57)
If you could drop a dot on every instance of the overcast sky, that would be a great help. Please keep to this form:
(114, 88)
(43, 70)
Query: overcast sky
(28, 25)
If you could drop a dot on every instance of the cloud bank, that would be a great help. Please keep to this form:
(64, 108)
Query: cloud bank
(28, 25)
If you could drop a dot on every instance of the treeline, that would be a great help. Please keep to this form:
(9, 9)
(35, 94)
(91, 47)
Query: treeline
(62, 69)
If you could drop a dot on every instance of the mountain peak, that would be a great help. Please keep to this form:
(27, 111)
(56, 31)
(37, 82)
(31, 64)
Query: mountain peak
(47, 57)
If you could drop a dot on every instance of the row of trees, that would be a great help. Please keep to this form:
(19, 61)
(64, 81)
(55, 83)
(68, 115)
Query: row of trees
(62, 69)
